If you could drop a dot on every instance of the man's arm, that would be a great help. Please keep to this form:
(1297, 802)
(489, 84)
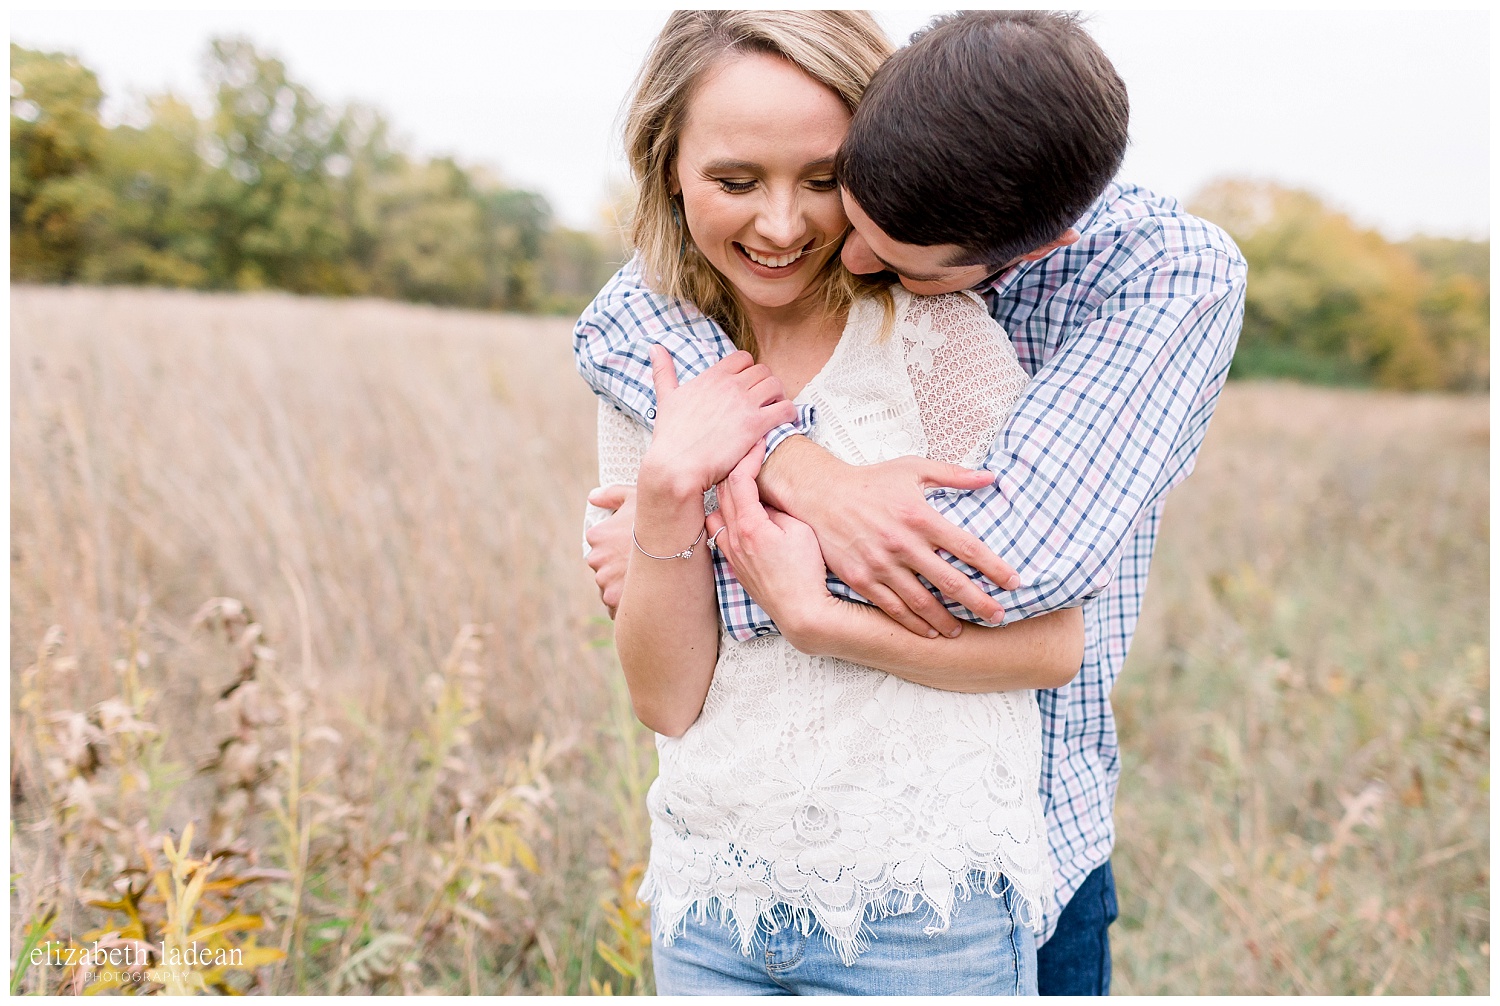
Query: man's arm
(1109, 424)
(612, 345)
(611, 348)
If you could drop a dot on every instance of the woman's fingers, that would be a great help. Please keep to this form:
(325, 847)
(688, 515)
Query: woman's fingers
(663, 371)
(767, 392)
(886, 600)
(739, 497)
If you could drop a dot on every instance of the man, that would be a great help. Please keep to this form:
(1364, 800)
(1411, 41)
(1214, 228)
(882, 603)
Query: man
(981, 157)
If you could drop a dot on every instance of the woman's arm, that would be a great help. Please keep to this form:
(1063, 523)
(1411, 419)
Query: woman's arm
(1041, 652)
(777, 559)
(667, 624)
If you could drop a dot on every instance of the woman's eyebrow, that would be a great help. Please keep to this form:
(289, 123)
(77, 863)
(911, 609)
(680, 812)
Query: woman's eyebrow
(725, 165)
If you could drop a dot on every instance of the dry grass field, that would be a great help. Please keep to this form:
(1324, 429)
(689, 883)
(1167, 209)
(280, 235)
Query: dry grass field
(305, 667)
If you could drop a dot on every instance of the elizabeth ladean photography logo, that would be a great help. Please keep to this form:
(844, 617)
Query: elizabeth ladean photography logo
(176, 964)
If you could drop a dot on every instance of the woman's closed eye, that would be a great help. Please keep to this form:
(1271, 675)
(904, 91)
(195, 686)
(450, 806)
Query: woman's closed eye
(735, 186)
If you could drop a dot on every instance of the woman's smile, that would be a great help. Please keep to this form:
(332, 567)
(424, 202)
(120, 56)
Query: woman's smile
(772, 265)
(754, 172)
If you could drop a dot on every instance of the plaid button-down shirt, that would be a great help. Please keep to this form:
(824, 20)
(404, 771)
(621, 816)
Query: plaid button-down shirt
(1128, 335)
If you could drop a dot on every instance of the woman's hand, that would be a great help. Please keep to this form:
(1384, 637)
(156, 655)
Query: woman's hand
(706, 426)
(775, 556)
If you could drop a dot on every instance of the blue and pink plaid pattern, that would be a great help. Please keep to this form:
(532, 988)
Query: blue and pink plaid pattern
(1128, 335)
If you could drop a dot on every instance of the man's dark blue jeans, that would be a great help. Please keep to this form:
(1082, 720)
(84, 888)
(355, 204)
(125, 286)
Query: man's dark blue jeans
(1075, 962)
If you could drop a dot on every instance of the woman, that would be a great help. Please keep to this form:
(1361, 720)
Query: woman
(831, 794)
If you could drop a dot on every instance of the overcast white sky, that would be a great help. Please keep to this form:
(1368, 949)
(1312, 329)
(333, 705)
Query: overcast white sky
(1386, 115)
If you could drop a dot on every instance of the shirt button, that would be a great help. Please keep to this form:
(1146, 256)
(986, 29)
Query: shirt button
(763, 631)
(650, 413)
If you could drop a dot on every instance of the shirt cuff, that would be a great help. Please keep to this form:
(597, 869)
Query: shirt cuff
(799, 426)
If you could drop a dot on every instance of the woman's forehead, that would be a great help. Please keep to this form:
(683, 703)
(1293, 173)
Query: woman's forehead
(754, 102)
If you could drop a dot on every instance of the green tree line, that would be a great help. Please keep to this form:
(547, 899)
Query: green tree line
(1334, 303)
(272, 188)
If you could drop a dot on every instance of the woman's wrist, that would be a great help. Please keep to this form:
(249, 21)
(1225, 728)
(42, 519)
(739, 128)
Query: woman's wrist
(813, 625)
(669, 482)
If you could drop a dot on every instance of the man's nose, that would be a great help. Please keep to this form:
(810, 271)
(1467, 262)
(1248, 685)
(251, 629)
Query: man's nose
(857, 256)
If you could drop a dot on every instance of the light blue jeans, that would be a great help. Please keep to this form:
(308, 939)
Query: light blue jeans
(985, 951)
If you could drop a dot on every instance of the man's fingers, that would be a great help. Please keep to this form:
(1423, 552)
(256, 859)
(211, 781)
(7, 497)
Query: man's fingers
(610, 497)
(934, 474)
(955, 586)
(965, 546)
(663, 371)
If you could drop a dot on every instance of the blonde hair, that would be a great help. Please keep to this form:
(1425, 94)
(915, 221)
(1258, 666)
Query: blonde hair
(839, 49)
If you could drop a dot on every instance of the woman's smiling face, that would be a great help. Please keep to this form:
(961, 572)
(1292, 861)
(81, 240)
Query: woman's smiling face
(755, 169)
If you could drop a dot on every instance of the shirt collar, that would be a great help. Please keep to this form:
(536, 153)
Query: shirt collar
(998, 282)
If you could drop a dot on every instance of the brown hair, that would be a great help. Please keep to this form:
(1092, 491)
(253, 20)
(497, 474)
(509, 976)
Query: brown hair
(992, 131)
(839, 49)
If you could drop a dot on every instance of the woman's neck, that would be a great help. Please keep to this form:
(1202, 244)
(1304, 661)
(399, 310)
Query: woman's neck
(795, 341)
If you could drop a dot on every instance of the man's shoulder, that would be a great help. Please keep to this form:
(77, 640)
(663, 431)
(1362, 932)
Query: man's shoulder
(1135, 219)
(627, 302)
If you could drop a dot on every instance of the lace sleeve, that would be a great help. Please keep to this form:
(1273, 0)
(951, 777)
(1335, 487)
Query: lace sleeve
(622, 446)
(963, 371)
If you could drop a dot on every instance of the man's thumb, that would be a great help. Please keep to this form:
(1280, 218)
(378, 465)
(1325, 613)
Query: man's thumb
(939, 473)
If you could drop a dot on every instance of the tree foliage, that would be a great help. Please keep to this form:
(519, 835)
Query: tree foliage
(271, 188)
(1331, 302)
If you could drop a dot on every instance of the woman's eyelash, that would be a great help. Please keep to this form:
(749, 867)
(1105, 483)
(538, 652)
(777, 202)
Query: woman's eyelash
(739, 188)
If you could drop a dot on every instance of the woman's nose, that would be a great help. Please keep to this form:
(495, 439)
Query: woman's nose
(780, 223)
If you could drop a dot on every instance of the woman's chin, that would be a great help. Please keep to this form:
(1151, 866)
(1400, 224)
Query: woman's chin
(772, 294)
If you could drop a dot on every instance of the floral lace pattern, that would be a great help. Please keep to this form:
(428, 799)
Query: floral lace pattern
(814, 788)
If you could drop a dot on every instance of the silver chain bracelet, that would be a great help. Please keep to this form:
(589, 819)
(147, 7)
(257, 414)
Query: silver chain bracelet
(686, 553)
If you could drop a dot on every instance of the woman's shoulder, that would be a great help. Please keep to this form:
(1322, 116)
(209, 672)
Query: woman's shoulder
(959, 304)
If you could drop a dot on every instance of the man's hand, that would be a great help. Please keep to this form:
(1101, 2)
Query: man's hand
(878, 532)
(609, 542)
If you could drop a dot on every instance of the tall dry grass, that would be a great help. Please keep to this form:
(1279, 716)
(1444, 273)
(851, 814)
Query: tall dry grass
(1305, 712)
(391, 496)
(368, 480)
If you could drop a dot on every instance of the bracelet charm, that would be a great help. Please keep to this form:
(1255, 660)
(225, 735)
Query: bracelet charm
(686, 553)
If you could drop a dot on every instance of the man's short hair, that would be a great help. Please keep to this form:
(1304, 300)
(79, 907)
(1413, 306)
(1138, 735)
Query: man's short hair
(992, 130)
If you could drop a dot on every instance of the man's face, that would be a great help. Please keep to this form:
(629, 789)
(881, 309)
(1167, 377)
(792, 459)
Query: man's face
(923, 269)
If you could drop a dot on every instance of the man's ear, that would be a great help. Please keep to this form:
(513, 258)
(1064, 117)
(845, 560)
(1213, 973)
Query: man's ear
(1066, 238)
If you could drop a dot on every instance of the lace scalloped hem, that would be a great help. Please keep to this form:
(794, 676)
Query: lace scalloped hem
(848, 941)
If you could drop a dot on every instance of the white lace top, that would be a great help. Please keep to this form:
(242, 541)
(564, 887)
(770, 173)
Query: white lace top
(811, 786)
